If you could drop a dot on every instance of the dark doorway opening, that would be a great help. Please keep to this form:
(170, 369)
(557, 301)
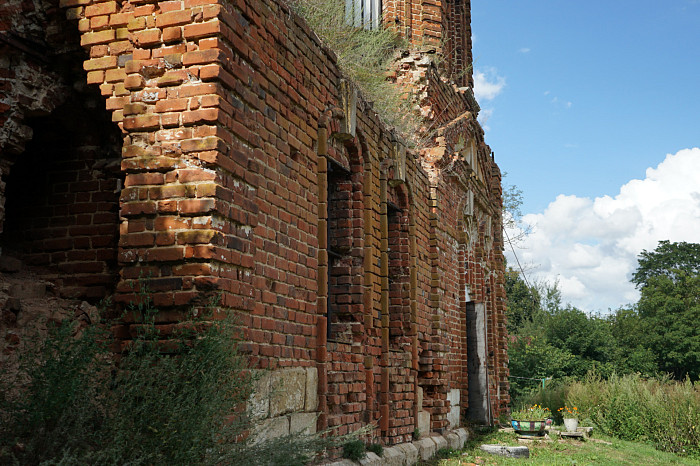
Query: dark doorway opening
(477, 364)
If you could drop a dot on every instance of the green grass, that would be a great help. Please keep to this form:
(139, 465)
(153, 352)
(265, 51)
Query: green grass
(563, 452)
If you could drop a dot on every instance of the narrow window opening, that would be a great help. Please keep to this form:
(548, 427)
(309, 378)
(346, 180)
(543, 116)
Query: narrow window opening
(399, 271)
(339, 246)
(366, 14)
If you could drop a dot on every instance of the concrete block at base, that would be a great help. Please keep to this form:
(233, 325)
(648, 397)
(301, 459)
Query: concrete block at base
(272, 428)
(424, 422)
(371, 459)
(503, 450)
(452, 440)
(303, 422)
(392, 456)
(440, 442)
(453, 414)
(259, 402)
(410, 452)
(311, 401)
(287, 391)
(426, 448)
(463, 436)
(343, 462)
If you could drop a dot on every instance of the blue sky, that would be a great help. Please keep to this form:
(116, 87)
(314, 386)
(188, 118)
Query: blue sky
(578, 99)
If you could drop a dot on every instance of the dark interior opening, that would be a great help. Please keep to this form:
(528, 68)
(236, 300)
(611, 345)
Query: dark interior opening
(62, 198)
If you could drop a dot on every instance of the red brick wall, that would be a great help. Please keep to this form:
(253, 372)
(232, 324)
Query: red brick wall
(443, 26)
(234, 122)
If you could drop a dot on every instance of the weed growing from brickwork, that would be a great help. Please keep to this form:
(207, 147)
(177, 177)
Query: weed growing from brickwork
(365, 56)
(176, 401)
(354, 450)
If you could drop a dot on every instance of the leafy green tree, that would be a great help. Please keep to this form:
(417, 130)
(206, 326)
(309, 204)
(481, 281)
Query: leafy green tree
(634, 354)
(667, 260)
(523, 301)
(588, 338)
(531, 358)
(670, 306)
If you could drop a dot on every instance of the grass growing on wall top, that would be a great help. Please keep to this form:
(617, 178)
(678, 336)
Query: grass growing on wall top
(365, 57)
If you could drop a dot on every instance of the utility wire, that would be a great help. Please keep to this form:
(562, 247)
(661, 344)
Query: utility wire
(527, 282)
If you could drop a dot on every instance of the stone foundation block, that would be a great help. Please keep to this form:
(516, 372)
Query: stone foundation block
(423, 422)
(272, 428)
(410, 452)
(371, 459)
(463, 436)
(453, 397)
(453, 440)
(302, 422)
(440, 442)
(311, 401)
(426, 448)
(287, 391)
(392, 456)
(259, 402)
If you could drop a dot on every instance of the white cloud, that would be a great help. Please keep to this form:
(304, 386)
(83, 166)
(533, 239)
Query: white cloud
(591, 246)
(524, 50)
(484, 116)
(487, 84)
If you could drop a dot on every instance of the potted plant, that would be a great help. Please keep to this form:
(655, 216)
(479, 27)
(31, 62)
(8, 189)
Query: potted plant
(571, 417)
(531, 421)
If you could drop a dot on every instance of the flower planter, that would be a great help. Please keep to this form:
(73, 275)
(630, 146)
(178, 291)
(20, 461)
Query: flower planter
(529, 427)
(571, 424)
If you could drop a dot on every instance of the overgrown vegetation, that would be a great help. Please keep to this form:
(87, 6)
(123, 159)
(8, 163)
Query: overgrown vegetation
(659, 335)
(354, 450)
(632, 374)
(660, 411)
(364, 56)
(171, 402)
(600, 450)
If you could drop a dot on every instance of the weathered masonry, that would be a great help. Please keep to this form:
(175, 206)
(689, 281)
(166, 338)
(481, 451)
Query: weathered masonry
(214, 146)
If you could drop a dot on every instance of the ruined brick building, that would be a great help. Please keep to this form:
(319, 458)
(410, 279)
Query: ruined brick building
(214, 146)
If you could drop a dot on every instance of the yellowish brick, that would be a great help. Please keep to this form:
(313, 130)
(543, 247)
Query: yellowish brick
(115, 75)
(122, 33)
(100, 63)
(117, 115)
(100, 37)
(121, 90)
(136, 23)
(95, 77)
(119, 47)
(106, 89)
(84, 25)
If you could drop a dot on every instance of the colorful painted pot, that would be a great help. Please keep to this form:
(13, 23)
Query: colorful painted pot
(529, 427)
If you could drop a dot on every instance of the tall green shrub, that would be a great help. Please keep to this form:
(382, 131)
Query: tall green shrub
(663, 412)
(164, 402)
